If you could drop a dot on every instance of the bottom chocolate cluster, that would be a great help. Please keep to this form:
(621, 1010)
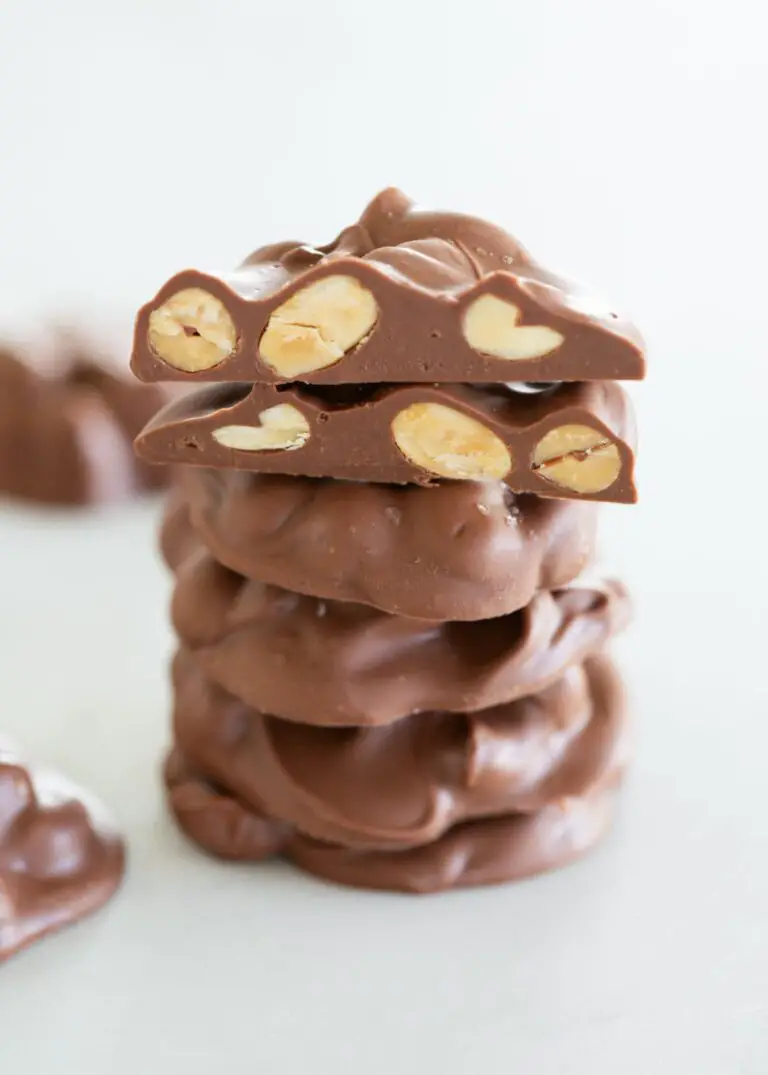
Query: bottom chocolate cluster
(432, 801)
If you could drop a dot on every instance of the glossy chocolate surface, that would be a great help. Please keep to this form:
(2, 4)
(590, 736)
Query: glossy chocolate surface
(336, 663)
(481, 852)
(60, 857)
(406, 784)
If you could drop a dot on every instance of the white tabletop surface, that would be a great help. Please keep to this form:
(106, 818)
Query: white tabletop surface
(624, 142)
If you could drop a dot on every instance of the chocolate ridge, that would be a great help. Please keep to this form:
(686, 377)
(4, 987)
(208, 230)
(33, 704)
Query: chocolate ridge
(481, 852)
(338, 663)
(407, 784)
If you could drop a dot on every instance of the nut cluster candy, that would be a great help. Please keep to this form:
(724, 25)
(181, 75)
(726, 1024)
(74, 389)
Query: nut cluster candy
(60, 857)
(404, 351)
(66, 427)
(389, 669)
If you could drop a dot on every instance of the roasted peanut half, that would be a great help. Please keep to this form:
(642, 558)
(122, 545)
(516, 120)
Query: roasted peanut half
(317, 326)
(491, 326)
(283, 428)
(450, 444)
(578, 458)
(192, 331)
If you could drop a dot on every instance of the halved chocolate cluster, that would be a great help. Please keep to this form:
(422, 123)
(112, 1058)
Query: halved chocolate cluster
(573, 441)
(403, 351)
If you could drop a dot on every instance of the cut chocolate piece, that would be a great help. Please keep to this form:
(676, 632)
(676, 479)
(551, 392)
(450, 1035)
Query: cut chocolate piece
(484, 852)
(60, 858)
(337, 663)
(576, 441)
(402, 295)
(65, 435)
(457, 551)
(409, 782)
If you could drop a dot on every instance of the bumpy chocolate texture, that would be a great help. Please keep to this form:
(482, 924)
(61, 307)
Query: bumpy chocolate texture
(65, 439)
(402, 295)
(430, 803)
(406, 784)
(338, 663)
(458, 551)
(575, 441)
(60, 860)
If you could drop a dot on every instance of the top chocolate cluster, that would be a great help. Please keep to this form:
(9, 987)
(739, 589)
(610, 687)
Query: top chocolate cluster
(402, 296)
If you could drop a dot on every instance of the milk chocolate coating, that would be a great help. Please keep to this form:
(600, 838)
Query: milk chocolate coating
(407, 783)
(66, 439)
(424, 269)
(217, 820)
(337, 663)
(59, 859)
(483, 852)
(457, 551)
(349, 435)
(486, 852)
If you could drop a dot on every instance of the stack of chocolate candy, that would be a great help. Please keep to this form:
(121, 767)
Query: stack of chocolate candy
(388, 670)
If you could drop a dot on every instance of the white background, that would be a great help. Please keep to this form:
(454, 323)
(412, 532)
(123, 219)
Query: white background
(624, 143)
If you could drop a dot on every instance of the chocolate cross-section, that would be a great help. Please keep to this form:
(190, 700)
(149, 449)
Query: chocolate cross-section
(574, 441)
(402, 295)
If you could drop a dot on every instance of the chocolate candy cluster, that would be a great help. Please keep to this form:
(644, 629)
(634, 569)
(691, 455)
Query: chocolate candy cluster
(67, 421)
(60, 857)
(388, 669)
